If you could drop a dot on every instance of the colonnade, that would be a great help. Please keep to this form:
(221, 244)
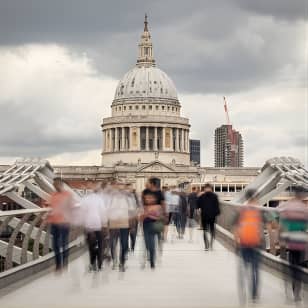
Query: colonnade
(146, 138)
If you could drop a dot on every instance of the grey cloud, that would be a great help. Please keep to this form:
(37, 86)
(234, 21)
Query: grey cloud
(29, 135)
(196, 42)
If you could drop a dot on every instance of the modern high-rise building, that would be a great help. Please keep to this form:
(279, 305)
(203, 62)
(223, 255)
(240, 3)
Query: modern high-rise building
(229, 148)
(194, 147)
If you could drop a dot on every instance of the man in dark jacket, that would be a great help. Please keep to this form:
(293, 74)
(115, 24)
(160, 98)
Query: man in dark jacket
(209, 205)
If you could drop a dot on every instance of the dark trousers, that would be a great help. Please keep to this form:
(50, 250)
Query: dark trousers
(180, 223)
(95, 244)
(133, 234)
(250, 258)
(208, 226)
(149, 239)
(60, 234)
(115, 235)
(296, 258)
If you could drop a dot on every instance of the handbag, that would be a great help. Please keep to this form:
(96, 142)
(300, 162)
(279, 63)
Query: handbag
(158, 226)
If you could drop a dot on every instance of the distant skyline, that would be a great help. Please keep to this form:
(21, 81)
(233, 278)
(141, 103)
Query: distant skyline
(60, 62)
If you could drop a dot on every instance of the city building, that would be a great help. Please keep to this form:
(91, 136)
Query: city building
(229, 148)
(146, 123)
(194, 148)
(147, 136)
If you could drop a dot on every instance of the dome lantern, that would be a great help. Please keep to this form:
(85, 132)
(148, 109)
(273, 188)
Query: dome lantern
(145, 57)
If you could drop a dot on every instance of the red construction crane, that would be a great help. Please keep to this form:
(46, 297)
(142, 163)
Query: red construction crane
(226, 111)
(231, 136)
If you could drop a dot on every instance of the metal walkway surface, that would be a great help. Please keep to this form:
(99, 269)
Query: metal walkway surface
(186, 276)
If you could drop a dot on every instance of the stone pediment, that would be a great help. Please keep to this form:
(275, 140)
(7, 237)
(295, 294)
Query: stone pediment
(155, 166)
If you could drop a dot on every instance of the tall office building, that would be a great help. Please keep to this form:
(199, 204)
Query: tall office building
(194, 147)
(229, 148)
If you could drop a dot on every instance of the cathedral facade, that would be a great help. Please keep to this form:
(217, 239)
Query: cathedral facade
(146, 134)
(146, 122)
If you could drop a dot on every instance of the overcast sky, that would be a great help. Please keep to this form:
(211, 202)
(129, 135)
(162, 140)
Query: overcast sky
(60, 62)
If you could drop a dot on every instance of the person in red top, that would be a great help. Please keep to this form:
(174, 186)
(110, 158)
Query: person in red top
(60, 203)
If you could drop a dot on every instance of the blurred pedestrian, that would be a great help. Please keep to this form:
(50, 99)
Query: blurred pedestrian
(153, 188)
(118, 213)
(153, 225)
(248, 234)
(294, 236)
(94, 212)
(192, 207)
(133, 219)
(61, 203)
(182, 215)
(209, 206)
(174, 215)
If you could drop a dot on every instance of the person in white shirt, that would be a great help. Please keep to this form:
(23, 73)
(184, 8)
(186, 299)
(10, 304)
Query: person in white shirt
(94, 217)
(119, 211)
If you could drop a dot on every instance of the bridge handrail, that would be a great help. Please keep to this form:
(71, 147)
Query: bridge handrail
(23, 211)
(25, 236)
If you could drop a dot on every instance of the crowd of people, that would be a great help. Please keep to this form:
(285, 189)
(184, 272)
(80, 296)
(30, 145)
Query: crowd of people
(111, 214)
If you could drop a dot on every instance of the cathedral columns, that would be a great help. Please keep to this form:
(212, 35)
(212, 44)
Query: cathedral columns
(177, 140)
(182, 140)
(147, 138)
(163, 146)
(116, 138)
(155, 139)
(123, 146)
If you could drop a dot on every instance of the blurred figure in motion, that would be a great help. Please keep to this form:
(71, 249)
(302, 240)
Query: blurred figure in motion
(248, 235)
(182, 215)
(209, 205)
(133, 219)
(119, 209)
(174, 215)
(192, 206)
(94, 214)
(168, 199)
(294, 236)
(153, 224)
(61, 203)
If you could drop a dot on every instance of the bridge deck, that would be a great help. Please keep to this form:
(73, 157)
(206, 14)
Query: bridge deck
(186, 277)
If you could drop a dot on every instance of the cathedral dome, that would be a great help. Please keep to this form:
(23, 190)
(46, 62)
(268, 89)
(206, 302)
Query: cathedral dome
(145, 82)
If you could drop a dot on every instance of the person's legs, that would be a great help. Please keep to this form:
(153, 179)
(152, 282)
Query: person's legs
(105, 244)
(295, 260)
(255, 273)
(212, 231)
(205, 239)
(183, 223)
(114, 235)
(124, 245)
(152, 249)
(242, 268)
(64, 230)
(133, 235)
(91, 246)
(54, 230)
(178, 223)
(149, 238)
(99, 248)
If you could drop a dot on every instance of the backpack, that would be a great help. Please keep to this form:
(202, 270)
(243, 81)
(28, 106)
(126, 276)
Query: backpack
(249, 228)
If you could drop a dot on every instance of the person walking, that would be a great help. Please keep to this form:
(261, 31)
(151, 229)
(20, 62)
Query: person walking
(94, 213)
(118, 213)
(294, 237)
(153, 225)
(182, 215)
(248, 235)
(209, 206)
(192, 207)
(153, 189)
(133, 219)
(61, 203)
